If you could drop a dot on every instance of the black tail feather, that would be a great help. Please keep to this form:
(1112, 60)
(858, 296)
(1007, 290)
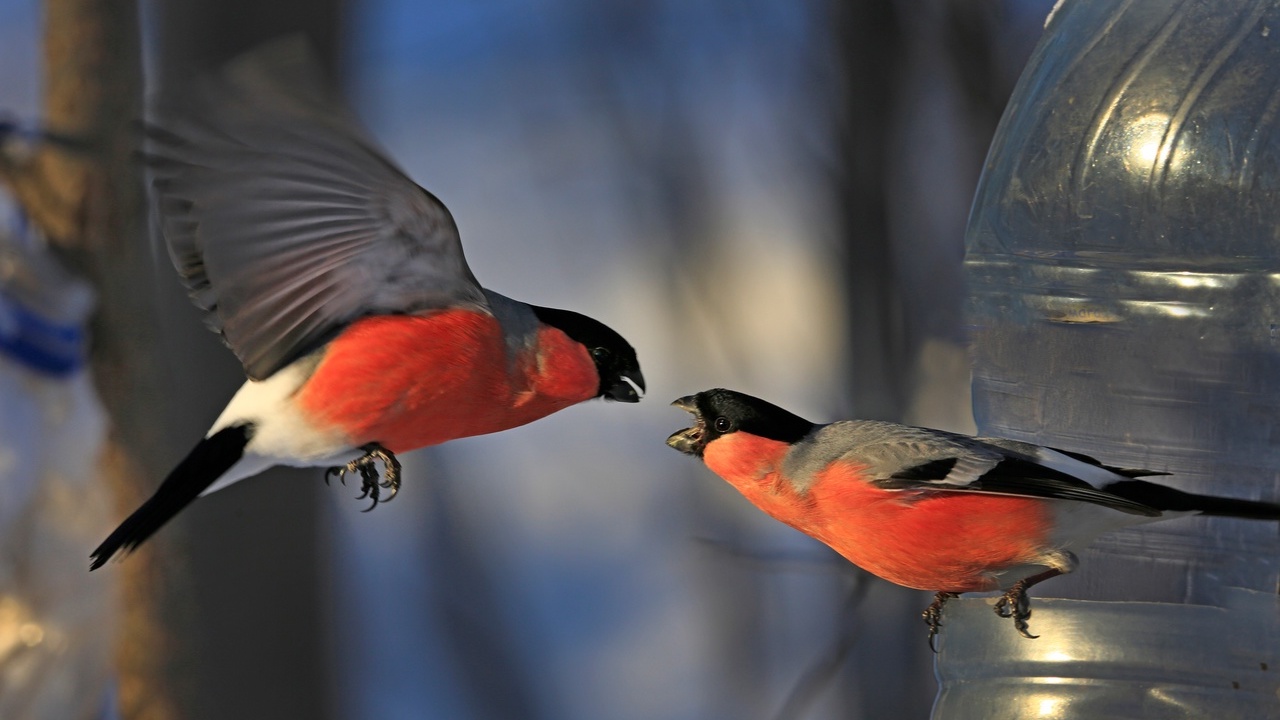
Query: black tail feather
(1167, 498)
(206, 462)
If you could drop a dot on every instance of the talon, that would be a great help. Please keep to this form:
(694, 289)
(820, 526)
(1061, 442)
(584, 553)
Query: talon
(366, 465)
(392, 476)
(1015, 604)
(339, 472)
(933, 615)
(369, 483)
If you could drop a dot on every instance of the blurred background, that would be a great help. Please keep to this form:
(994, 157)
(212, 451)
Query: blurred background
(763, 195)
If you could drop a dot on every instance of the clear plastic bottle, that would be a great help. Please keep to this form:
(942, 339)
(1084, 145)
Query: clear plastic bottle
(56, 619)
(1124, 272)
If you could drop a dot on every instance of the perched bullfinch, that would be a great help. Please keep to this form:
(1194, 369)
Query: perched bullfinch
(928, 509)
(342, 288)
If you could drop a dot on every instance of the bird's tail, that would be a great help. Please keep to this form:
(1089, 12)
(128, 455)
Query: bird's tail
(207, 461)
(1167, 498)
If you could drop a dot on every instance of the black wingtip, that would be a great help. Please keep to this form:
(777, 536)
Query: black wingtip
(1169, 499)
(1126, 472)
(206, 462)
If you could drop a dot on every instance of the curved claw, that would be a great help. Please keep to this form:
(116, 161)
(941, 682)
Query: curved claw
(338, 472)
(366, 465)
(393, 489)
(370, 491)
(933, 637)
(391, 478)
(1016, 605)
(932, 616)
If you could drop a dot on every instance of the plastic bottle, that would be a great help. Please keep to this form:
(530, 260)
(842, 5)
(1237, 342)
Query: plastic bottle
(1124, 271)
(56, 619)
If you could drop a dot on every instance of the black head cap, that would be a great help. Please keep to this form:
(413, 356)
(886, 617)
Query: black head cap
(615, 359)
(721, 412)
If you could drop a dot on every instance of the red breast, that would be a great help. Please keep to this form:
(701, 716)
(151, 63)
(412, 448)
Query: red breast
(750, 463)
(929, 541)
(409, 381)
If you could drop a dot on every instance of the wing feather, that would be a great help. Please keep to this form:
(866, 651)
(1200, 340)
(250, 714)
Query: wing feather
(900, 457)
(285, 222)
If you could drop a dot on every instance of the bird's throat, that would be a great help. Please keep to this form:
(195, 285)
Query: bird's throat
(750, 464)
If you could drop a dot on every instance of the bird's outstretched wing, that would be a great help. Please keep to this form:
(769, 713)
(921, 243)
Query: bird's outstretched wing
(897, 457)
(285, 222)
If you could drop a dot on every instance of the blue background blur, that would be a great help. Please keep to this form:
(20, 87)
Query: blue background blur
(685, 172)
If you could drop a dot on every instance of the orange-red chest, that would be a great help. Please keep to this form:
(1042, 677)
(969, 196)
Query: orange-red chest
(412, 381)
(929, 541)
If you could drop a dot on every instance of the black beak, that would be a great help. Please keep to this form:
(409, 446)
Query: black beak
(689, 440)
(628, 389)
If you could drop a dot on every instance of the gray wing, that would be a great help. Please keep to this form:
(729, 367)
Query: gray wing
(285, 222)
(900, 457)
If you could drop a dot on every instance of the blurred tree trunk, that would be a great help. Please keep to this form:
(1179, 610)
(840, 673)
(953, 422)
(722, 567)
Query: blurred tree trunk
(88, 203)
(869, 42)
(254, 558)
(192, 642)
(872, 57)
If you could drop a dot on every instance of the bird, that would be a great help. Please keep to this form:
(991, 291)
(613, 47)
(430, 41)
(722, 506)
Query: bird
(929, 509)
(342, 288)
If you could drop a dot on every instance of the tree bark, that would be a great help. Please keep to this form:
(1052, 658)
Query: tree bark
(88, 202)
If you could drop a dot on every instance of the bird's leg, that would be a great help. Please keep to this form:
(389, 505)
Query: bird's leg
(368, 469)
(933, 615)
(1015, 603)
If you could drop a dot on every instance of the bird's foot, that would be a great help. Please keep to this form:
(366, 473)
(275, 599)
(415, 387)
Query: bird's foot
(1015, 604)
(933, 615)
(366, 465)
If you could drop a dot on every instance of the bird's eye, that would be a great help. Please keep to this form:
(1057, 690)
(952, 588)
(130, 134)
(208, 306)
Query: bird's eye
(723, 424)
(600, 353)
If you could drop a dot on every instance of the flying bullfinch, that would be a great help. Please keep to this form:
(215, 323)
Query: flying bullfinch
(928, 509)
(341, 286)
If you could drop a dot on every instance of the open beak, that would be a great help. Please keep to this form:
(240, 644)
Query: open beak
(688, 441)
(628, 389)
